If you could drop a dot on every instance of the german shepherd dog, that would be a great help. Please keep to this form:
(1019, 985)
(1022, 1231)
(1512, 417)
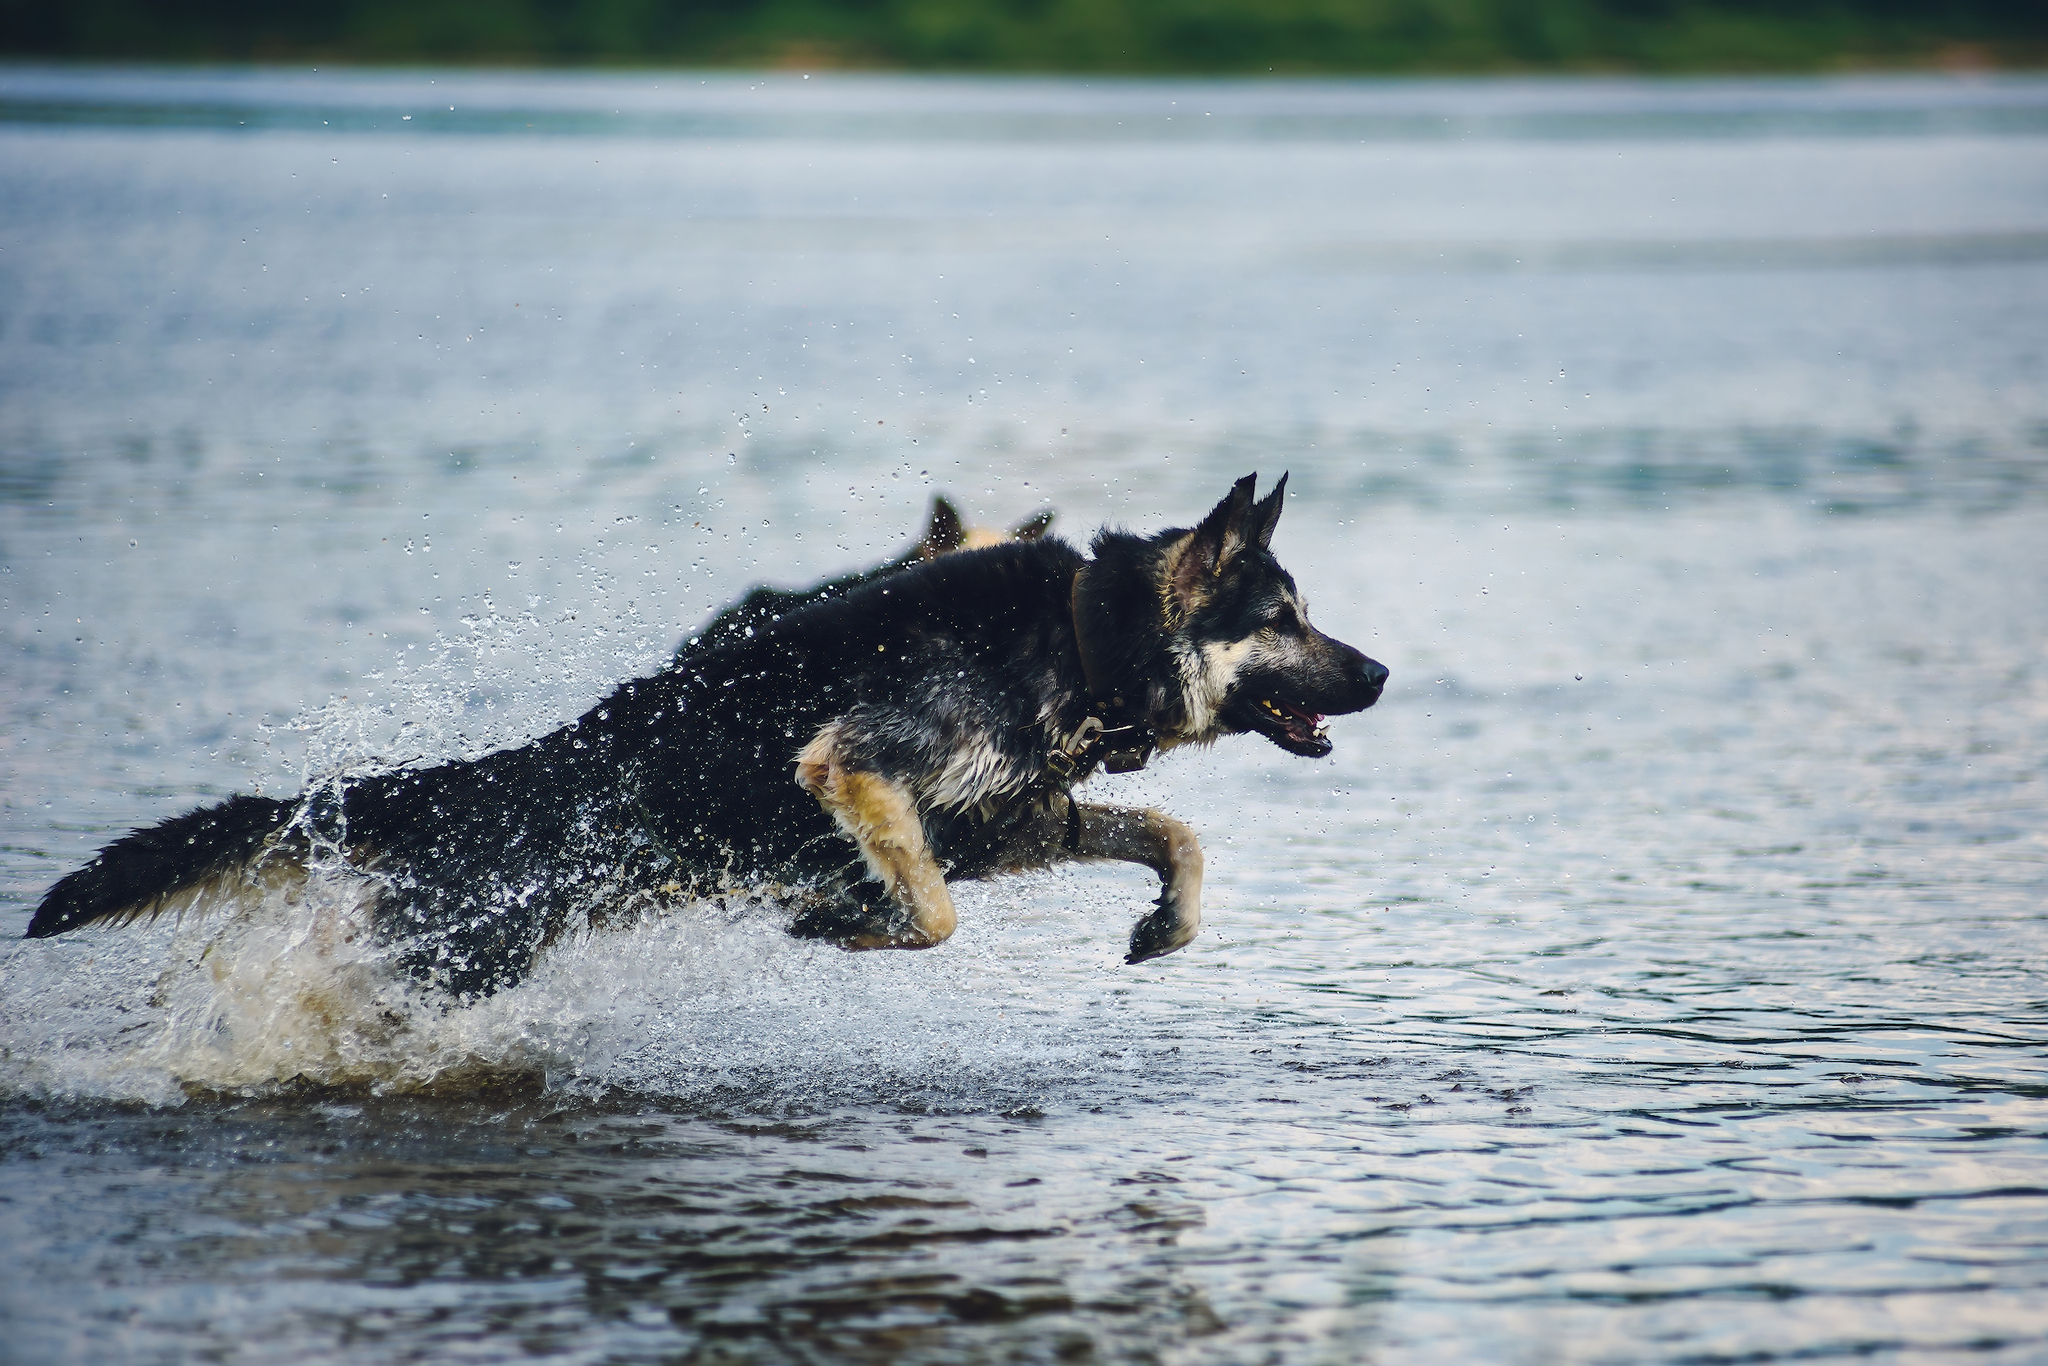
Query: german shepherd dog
(846, 760)
(944, 533)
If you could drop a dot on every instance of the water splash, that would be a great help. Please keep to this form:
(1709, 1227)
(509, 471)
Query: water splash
(283, 984)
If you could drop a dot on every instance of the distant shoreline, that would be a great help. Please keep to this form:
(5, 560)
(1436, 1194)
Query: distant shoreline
(1932, 63)
(1064, 37)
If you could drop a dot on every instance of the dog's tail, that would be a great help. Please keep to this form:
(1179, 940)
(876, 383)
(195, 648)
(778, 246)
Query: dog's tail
(132, 877)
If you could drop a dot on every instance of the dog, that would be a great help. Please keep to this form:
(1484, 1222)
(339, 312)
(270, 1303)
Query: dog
(944, 533)
(848, 761)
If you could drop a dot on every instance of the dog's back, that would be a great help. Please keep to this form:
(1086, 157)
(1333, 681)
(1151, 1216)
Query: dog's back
(945, 533)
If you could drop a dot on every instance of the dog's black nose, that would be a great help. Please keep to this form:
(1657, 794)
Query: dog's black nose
(1371, 676)
(1358, 679)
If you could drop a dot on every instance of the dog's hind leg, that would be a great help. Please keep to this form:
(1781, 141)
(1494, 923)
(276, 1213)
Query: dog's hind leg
(881, 816)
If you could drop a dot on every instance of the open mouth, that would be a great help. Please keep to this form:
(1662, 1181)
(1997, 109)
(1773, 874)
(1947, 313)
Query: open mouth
(1295, 729)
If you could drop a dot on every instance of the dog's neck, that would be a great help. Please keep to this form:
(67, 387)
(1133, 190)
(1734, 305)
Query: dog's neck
(1093, 630)
(1123, 736)
(1123, 634)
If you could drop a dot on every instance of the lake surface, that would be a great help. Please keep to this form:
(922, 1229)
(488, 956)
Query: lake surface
(1655, 975)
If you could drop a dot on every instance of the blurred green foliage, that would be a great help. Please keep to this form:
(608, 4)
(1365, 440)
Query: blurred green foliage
(1151, 36)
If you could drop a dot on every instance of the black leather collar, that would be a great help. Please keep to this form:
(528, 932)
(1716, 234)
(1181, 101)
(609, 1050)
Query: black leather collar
(1115, 735)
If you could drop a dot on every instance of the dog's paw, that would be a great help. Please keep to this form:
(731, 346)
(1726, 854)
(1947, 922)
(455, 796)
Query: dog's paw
(1161, 932)
(837, 919)
(863, 917)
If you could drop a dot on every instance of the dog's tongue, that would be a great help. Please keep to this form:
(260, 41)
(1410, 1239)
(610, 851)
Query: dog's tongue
(1310, 719)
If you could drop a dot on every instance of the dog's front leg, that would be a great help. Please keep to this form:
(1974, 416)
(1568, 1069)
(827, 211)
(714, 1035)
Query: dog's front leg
(1170, 849)
(882, 818)
(1127, 835)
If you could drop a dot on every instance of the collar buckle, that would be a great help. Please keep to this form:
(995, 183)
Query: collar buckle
(1127, 748)
(1061, 768)
(1069, 765)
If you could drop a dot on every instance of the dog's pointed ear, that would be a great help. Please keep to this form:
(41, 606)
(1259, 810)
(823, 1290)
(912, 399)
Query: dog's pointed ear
(1266, 516)
(1032, 528)
(946, 532)
(1210, 546)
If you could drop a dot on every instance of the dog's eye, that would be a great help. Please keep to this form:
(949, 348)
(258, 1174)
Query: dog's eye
(1289, 621)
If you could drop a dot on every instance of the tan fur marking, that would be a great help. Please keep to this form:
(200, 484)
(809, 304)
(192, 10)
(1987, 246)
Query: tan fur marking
(814, 762)
(1172, 609)
(1207, 677)
(881, 817)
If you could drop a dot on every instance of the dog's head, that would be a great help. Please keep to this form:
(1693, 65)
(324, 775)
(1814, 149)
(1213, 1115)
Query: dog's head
(1233, 650)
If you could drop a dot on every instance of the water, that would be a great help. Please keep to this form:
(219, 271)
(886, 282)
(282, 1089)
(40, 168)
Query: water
(1655, 975)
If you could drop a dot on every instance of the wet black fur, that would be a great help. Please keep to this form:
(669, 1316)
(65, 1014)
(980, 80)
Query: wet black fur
(762, 605)
(124, 879)
(683, 783)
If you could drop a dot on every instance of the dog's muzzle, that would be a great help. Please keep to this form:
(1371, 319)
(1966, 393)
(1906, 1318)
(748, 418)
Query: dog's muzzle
(1289, 710)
